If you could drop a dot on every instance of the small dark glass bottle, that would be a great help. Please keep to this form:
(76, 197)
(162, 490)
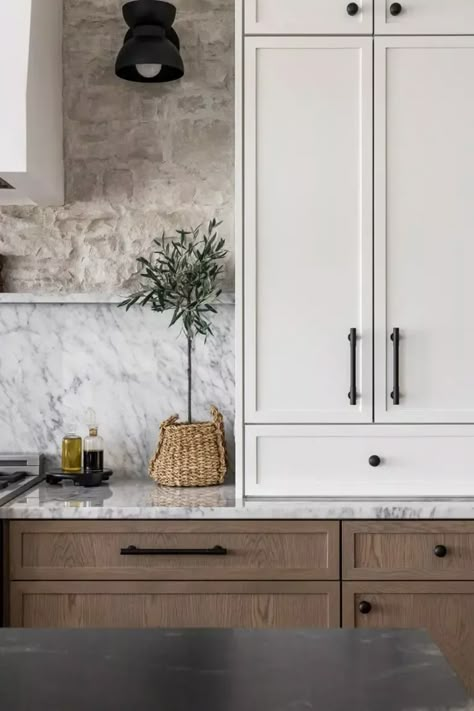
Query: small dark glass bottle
(93, 451)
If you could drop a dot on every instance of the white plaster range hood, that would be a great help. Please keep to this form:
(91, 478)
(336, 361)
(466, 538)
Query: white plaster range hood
(31, 124)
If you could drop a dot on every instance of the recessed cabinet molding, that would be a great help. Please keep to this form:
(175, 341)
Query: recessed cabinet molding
(424, 17)
(355, 461)
(308, 17)
(308, 229)
(31, 123)
(424, 223)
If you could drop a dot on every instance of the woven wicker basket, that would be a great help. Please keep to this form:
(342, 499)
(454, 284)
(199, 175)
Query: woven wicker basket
(190, 455)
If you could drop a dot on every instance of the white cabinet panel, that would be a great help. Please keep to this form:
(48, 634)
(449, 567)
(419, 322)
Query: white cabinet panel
(334, 461)
(424, 17)
(308, 228)
(424, 227)
(315, 17)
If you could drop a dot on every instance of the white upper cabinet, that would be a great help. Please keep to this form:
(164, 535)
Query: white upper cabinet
(308, 17)
(424, 228)
(424, 17)
(308, 229)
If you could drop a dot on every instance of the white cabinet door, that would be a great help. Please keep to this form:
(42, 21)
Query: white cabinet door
(359, 461)
(308, 228)
(424, 227)
(424, 17)
(316, 17)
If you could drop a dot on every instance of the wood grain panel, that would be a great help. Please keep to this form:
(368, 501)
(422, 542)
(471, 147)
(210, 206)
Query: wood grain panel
(405, 550)
(182, 604)
(260, 550)
(446, 610)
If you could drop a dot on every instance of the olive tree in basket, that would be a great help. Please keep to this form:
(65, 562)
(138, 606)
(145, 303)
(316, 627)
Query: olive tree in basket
(182, 276)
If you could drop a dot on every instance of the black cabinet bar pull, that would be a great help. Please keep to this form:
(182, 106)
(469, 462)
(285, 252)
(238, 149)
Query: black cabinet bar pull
(133, 550)
(353, 391)
(395, 338)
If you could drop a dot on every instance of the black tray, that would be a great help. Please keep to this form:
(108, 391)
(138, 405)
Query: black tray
(83, 478)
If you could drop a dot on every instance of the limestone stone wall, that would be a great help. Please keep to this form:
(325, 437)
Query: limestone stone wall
(138, 158)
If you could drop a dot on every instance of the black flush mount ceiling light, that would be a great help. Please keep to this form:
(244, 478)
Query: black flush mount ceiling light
(150, 51)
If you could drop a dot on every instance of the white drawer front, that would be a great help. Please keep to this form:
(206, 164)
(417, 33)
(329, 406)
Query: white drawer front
(334, 461)
(308, 17)
(424, 17)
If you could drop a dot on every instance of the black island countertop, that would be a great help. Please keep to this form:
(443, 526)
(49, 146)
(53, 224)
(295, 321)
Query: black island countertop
(225, 670)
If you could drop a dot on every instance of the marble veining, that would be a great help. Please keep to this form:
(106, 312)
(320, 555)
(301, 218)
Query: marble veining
(58, 360)
(235, 670)
(143, 499)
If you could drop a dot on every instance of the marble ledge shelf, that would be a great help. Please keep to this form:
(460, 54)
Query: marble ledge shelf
(227, 298)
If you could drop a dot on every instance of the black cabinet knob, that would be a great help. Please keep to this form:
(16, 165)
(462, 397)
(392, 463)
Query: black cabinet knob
(440, 551)
(395, 8)
(364, 607)
(374, 460)
(352, 9)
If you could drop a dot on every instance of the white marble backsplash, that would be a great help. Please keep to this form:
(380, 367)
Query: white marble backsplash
(58, 360)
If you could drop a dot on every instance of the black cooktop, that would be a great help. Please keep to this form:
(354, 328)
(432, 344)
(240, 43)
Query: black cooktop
(7, 478)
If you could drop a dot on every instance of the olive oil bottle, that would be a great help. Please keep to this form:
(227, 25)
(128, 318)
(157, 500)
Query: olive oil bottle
(71, 454)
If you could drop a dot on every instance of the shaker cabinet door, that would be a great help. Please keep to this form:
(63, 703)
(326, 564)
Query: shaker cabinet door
(424, 17)
(315, 17)
(445, 610)
(424, 229)
(139, 605)
(308, 229)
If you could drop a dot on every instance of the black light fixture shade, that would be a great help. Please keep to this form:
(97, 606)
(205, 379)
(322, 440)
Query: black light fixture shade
(150, 52)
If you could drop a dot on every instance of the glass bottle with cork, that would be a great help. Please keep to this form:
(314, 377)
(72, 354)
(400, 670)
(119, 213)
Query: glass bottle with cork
(93, 446)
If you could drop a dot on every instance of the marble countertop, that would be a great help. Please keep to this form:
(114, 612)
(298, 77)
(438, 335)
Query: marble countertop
(142, 499)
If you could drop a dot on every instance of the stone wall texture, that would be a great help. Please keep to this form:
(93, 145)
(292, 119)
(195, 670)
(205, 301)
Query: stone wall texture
(139, 158)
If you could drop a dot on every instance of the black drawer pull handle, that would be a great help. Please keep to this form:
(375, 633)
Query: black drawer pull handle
(133, 550)
(395, 9)
(440, 551)
(395, 338)
(365, 607)
(353, 391)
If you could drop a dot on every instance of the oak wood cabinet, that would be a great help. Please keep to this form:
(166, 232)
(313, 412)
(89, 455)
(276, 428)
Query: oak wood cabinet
(167, 574)
(445, 609)
(417, 574)
(174, 604)
(404, 574)
(116, 550)
(407, 550)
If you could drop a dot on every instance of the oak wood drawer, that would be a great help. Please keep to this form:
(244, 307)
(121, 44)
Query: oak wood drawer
(174, 604)
(444, 609)
(438, 550)
(256, 550)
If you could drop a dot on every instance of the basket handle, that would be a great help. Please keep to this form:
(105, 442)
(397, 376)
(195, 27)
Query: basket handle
(217, 417)
(170, 421)
(218, 420)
